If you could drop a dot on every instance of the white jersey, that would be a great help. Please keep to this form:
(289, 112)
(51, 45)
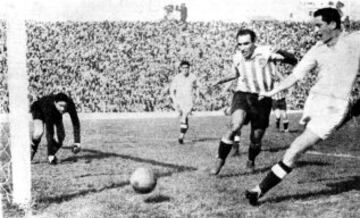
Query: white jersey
(328, 100)
(338, 66)
(256, 74)
(182, 89)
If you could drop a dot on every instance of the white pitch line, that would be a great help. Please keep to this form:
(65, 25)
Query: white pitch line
(333, 154)
(308, 152)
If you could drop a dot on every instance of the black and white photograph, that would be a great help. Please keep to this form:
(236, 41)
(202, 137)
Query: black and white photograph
(179, 108)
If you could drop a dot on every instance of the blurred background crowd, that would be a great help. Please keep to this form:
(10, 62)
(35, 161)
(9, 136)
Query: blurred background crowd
(127, 66)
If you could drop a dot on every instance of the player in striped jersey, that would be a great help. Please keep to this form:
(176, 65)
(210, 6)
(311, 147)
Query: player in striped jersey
(328, 106)
(182, 90)
(279, 107)
(255, 71)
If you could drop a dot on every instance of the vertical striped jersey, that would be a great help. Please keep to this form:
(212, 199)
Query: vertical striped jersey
(279, 95)
(256, 74)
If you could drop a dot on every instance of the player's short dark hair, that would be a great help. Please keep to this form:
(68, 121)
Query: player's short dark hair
(184, 62)
(243, 32)
(61, 97)
(329, 15)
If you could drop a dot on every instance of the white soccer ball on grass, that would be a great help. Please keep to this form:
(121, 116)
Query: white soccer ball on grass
(143, 180)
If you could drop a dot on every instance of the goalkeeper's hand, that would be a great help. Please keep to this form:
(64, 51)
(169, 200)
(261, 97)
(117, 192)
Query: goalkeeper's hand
(76, 148)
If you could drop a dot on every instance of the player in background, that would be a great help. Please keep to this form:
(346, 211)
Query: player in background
(329, 105)
(280, 110)
(255, 71)
(48, 111)
(183, 90)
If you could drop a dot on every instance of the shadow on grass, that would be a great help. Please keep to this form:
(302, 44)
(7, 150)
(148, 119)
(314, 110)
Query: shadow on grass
(295, 131)
(274, 149)
(95, 154)
(349, 184)
(67, 197)
(303, 163)
(205, 139)
(157, 199)
(265, 169)
(246, 173)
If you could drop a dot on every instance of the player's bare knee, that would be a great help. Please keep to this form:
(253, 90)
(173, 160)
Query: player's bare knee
(38, 129)
(256, 136)
(255, 140)
(235, 127)
(37, 133)
(293, 153)
(290, 157)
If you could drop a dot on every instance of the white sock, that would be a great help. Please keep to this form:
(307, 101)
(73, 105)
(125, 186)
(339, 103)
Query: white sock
(51, 158)
(256, 189)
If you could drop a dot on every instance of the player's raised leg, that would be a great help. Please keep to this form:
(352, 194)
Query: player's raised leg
(305, 141)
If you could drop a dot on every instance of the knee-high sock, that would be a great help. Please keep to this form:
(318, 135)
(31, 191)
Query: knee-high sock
(53, 147)
(274, 177)
(254, 151)
(183, 128)
(224, 149)
(34, 147)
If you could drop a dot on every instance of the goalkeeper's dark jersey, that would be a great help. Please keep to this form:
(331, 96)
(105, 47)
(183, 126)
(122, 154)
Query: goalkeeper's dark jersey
(45, 110)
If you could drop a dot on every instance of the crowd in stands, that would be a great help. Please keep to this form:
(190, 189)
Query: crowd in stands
(127, 66)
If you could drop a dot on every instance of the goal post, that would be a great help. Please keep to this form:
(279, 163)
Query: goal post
(19, 131)
(19, 111)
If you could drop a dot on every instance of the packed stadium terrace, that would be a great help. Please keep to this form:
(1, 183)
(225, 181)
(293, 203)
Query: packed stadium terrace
(127, 66)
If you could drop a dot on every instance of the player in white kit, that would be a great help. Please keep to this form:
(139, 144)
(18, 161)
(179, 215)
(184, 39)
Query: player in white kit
(328, 106)
(183, 90)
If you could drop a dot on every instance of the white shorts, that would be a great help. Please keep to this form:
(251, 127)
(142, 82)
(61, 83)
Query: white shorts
(322, 114)
(184, 105)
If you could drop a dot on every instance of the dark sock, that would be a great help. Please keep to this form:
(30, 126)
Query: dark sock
(286, 125)
(53, 148)
(278, 123)
(224, 150)
(35, 144)
(274, 177)
(34, 147)
(254, 151)
(183, 128)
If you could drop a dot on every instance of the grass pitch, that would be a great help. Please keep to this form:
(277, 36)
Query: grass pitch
(94, 183)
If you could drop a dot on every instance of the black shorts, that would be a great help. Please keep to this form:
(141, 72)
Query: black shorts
(36, 111)
(279, 104)
(354, 111)
(257, 112)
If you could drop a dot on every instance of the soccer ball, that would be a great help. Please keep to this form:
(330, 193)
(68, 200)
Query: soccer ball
(143, 180)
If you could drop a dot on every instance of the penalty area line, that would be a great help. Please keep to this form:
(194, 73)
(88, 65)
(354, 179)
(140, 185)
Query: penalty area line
(333, 155)
(339, 155)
